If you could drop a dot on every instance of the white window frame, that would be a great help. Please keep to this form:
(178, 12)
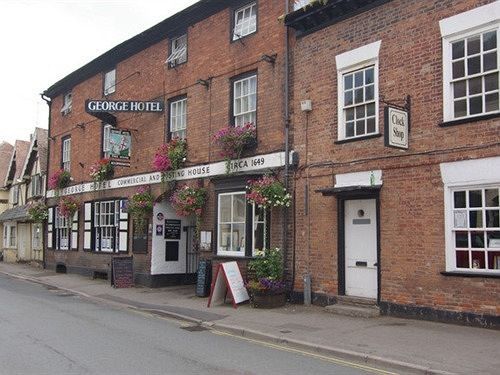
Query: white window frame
(67, 103)
(105, 139)
(62, 231)
(109, 86)
(178, 118)
(178, 53)
(457, 27)
(247, 25)
(106, 226)
(66, 154)
(8, 229)
(248, 96)
(35, 188)
(458, 176)
(352, 61)
(15, 194)
(37, 236)
(255, 223)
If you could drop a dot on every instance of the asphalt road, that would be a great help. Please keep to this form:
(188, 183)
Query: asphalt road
(45, 331)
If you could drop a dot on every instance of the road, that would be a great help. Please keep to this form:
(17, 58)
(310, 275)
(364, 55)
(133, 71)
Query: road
(50, 331)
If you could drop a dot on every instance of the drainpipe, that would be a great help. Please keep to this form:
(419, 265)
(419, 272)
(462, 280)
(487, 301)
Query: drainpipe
(287, 145)
(45, 245)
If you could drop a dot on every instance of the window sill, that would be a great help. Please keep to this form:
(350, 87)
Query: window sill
(348, 140)
(471, 274)
(242, 37)
(467, 120)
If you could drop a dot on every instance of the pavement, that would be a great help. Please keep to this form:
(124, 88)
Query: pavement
(408, 346)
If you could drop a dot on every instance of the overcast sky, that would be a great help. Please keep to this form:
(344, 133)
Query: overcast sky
(42, 41)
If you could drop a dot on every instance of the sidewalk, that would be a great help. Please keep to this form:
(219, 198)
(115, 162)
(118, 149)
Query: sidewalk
(410, 346)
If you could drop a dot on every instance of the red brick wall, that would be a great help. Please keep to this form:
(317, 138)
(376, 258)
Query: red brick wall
(411, 211)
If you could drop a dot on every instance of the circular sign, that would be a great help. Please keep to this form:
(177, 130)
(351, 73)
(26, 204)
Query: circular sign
(159, 216)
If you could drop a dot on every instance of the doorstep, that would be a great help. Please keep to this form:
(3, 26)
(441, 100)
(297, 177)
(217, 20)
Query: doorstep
(355, 306)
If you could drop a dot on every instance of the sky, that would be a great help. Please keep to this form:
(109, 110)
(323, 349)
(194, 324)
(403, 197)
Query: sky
(42, 41)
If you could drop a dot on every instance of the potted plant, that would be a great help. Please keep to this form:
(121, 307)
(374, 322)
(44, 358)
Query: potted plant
(59, 179)
(102, 170)
(188, 200)
(234, 140)
(140, 208)
(68, 206)
(170, 156)
(267, 288)
(38, 212)
(266, 192)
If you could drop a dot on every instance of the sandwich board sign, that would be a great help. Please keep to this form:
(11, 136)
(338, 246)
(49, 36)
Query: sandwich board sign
(228, 280)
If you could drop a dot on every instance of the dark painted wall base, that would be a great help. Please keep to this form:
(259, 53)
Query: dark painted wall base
(319, 299)
(427, 313)
(151, 281)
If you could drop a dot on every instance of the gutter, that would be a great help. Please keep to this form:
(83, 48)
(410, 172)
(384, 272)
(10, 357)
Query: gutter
(49, 103)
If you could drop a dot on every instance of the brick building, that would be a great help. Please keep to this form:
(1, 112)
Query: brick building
(217, 63)
(413, 228)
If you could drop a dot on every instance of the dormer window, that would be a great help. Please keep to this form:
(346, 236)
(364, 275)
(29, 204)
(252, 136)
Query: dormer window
(245, 21)
(67, 102)
(178, 51)
(110, 82)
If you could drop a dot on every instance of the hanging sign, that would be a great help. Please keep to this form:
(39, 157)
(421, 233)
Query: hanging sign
(228, 280)
(119, 143)
(96, 106)
(397, 124)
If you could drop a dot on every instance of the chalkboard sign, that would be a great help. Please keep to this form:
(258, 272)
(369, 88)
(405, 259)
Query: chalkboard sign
(122, 272)
(172, 229)
(204, 278)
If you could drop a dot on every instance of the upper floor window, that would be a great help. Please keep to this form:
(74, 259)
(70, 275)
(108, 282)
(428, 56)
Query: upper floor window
(110, 82)
(178, 51)
(178, 118)
(357, 75)
(245, 100)
(106, 145)
(35, 188)
(66, 154)
(245, 21)
(471, 63)
(15, 194)
(67, 103)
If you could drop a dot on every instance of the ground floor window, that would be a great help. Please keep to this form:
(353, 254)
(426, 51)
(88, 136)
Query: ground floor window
(241, 228)
(62, 231)
(9, 235)
(106, 221)
(476, 229)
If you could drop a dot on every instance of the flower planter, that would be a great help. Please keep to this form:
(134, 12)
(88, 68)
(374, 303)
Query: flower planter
(268, 300)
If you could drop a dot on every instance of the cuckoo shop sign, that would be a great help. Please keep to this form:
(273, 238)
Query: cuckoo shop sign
(397, 124)
(96, 106)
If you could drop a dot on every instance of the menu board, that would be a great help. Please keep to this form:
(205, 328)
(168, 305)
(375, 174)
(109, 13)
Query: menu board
(204, 278)
(172, 229)
(122, 272)
(228, 280)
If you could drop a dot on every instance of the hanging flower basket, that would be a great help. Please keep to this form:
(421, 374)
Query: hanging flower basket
(59, 179)
(267, 192)
(234, 140)
(68, 206)
(140, 208)
(38, 212)
(188, 200)
(170, 156)
(102, 170)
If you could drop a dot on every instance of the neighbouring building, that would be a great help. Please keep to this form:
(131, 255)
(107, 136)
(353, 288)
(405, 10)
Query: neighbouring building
(16, 230)
(395, 116)
(6, 150)
(214, 64)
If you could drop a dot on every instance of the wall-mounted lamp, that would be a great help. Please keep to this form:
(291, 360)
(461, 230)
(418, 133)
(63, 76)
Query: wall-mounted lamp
(269, 58)
(203, 82)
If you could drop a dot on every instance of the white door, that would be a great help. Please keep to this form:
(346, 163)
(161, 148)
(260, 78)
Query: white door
(24, 242)
(361, 248)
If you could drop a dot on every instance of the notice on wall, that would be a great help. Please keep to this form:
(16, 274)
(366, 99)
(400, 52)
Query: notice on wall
(172, 229)
(228, 281)
(122, 272)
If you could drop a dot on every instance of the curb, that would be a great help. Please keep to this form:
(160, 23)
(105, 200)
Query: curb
(340, 353)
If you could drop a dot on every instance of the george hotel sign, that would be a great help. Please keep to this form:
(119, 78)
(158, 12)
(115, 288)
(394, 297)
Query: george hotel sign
(250, 164)
(96, 106)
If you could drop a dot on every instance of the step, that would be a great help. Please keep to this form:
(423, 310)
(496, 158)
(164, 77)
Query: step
(354, 311)
(356, 301)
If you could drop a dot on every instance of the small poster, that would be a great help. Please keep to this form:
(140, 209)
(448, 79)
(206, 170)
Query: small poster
(460, 219)
(205, 240)
(119, 143)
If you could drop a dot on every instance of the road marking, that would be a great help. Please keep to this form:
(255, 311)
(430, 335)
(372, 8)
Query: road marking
(337, 361)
